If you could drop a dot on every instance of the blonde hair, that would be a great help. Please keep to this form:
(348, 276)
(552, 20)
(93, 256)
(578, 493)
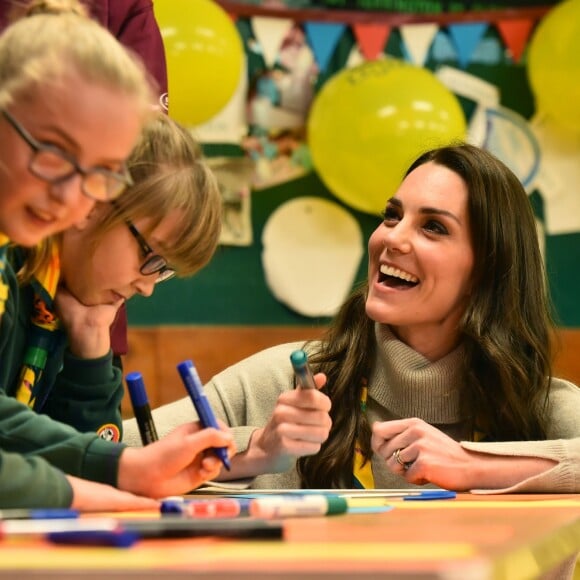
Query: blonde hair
(54, 35)
(47, 38)
(169, 174)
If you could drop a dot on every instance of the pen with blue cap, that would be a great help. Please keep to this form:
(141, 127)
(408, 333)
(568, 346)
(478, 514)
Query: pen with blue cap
(192, 383)
(141, 408)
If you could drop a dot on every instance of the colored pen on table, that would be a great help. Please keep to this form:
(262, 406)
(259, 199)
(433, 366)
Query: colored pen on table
(302, 371)
(297, 506)
(90, 531)
(39, 514)
(207, 508)
(141, 408)
(192, 383)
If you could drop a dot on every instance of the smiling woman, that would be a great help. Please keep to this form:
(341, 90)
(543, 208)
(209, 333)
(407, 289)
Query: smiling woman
(166, 222)
(438, 370)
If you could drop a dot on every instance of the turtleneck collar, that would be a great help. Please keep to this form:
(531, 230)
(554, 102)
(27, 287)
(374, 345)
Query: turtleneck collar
(410, 385)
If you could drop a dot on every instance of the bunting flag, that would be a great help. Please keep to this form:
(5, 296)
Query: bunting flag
(355, 57)
(466, 36)
(418, 39)
(270, 32)
(515, 34)
(371, 39)
(323, 38)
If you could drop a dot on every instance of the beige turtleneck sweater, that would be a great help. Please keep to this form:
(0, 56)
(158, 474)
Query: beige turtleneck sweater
(402, 384)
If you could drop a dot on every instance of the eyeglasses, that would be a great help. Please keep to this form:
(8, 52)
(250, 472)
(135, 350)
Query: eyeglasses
(154, 263)
(53, 165)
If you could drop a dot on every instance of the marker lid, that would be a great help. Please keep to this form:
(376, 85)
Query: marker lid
(336, 505)
(298, 357)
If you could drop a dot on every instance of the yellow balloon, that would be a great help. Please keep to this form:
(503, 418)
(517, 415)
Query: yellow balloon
(204, 58)
(368, 123)
(553, 65)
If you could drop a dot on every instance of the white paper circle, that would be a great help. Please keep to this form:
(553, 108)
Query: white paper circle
(312, 248)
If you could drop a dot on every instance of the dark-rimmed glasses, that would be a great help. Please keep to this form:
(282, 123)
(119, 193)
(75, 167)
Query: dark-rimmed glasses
(53, 165)
(154, 263)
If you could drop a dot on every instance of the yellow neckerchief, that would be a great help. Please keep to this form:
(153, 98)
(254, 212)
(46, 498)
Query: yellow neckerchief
(4, 241)
(43, 326)
(362, 471)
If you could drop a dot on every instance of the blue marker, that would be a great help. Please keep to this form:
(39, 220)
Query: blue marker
(304, 378)
(193, 385)
(141, 408)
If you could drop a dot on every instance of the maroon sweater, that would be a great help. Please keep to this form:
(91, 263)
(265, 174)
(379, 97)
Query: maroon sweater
(133, 23)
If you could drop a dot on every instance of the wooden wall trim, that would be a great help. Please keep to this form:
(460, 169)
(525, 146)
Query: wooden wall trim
(155, 352)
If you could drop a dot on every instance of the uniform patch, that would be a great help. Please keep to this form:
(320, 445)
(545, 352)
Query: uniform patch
(109, 432)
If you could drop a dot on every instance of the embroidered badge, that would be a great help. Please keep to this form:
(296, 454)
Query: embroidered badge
(109, 432)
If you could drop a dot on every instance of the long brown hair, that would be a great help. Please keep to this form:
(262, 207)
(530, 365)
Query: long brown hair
(506, 329)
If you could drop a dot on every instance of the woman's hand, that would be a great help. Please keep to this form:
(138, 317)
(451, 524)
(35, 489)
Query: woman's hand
(87, 327)
(423, 454)
(176, 464)
(299, 425)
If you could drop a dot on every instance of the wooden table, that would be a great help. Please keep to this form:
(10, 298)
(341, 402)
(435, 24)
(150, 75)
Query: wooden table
(471, 537)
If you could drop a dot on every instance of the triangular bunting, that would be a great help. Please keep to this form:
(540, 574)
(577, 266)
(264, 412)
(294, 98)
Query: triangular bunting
(322, 38)
(515, 34)
(466, 36)
(355, 57)
(371, 39)
(417, 40)
(270, 32)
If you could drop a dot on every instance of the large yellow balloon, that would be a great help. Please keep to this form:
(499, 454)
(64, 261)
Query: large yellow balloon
(204, 58)
(554, 67)
(368, 123)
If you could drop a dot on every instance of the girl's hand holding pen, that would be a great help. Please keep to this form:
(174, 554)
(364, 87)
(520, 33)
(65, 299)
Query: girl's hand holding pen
(176, 463)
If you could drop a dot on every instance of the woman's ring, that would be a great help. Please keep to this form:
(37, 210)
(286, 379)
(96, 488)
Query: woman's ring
(404, 464)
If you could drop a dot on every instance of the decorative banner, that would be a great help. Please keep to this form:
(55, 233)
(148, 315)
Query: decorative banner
(466, 37)
(312, 251)
(515, 34)
(355, 58)
(371, 39)
(270, 32)
(418, 39)
(323, 38)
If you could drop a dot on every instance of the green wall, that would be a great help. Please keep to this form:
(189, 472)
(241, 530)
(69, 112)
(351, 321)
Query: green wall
(232, 289)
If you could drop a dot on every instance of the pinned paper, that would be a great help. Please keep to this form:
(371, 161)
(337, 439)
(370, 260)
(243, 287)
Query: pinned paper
(312, 251)
(559, 178)
(510, 138)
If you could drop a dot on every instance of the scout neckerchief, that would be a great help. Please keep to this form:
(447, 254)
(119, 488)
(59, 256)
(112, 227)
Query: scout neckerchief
(3, 286)
(362, 470)
(43, 331)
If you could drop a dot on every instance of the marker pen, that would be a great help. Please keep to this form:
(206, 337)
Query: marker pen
(210, 508)
(39, 514)
(192, 383)
(141, 408)
(280, 506)
(304, 378)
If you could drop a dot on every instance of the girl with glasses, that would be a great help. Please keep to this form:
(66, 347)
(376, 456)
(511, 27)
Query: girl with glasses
(74, 103)
(166, 223)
